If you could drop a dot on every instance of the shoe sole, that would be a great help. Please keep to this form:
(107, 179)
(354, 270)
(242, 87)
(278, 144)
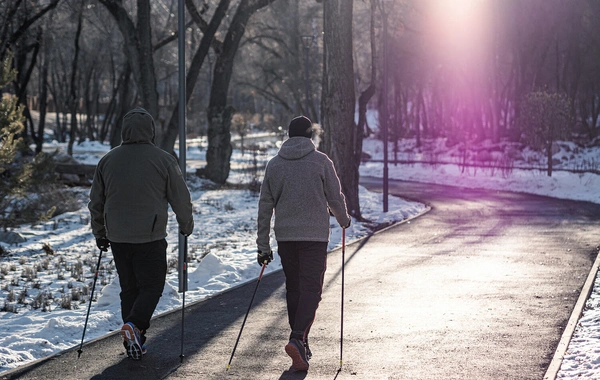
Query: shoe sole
(298, 364)
(134, 350)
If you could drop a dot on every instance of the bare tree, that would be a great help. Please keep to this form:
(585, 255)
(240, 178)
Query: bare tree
(271, 77)
(338, 98)
(367, 94)
(208, 39)
(17, 19)
(219, 110)
(138, 48)
(43, 84)
(546, 118)
(73, 99)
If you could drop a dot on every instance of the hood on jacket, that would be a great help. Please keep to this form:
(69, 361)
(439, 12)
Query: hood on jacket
(296, 147)
(138, 127)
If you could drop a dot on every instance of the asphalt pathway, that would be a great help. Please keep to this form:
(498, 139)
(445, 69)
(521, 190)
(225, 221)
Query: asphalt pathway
(480, 287)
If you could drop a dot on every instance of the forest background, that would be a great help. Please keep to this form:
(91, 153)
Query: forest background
(509, 73)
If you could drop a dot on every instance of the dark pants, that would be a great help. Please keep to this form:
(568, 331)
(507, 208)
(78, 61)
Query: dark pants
(142, 271)
(304, 264)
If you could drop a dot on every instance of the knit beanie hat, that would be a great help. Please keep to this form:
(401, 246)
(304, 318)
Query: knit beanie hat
(300, 126)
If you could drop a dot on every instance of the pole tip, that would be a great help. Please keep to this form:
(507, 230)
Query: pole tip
(227, 369)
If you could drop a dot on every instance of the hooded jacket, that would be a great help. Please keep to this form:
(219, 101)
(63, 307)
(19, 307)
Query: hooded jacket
(300, 186)
(133, 186)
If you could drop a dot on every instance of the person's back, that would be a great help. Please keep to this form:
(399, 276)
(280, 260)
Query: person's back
(133, 186)
(304, 186)
(135, 182)
(300, 186)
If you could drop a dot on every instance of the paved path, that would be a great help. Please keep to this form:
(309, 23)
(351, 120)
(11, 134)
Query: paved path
(480, 287)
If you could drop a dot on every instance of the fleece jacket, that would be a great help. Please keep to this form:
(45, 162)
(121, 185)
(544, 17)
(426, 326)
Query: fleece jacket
(300, 187)
(133, 186)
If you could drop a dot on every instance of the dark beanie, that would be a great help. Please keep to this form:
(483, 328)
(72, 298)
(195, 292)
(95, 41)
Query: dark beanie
(300, 126)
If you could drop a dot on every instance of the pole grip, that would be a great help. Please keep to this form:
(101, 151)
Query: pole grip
(182, 264)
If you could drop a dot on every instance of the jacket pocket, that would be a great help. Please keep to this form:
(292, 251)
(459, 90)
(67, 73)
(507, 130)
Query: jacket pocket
(154, 222)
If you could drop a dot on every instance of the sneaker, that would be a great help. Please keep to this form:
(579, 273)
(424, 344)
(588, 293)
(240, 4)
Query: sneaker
(132, 341)
(296, 350)
(144, 349)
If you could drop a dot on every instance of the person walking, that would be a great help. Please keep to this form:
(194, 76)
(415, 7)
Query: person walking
(133, 186)
(300, 187)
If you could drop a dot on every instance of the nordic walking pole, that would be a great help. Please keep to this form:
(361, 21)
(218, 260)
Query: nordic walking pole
(89, 305)
(247, 312)
(342, 305)
(181, 120)
(183, 286)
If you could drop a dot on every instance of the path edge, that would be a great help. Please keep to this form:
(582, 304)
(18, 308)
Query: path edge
(565, 339)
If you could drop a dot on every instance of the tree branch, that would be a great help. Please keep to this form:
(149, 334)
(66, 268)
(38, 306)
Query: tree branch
(27, 23)
(202, 24)
(171, 38)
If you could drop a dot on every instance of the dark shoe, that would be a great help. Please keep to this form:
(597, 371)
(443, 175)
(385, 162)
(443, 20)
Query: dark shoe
(308, 352)
(143, 341)
(295, 349)
(132, 341)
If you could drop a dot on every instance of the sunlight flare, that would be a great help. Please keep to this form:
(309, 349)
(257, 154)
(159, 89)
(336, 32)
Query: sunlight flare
(460, 29)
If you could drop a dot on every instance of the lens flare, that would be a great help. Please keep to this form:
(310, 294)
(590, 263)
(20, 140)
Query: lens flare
(460, 29)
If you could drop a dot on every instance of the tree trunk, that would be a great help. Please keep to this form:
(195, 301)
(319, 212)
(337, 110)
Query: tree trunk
(91, 100)
(338, 101)
(424, 113)
(23, 78)
(363, 100)
(219, 112)
(73, 102)
(145, 65)
(54, 91)
(138, 49)
(115, 133)
(417, 116)
(43, 98)
(549, 156)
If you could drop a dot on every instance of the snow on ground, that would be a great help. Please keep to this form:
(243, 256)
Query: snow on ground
(57, 261)
(562, 184)
(49, 287)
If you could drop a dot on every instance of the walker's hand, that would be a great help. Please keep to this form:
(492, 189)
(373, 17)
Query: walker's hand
(348, 225)
(264, 257)
(103, 244)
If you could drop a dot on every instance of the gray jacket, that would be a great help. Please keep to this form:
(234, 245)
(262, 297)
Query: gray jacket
(300, 185)
(133, 186)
